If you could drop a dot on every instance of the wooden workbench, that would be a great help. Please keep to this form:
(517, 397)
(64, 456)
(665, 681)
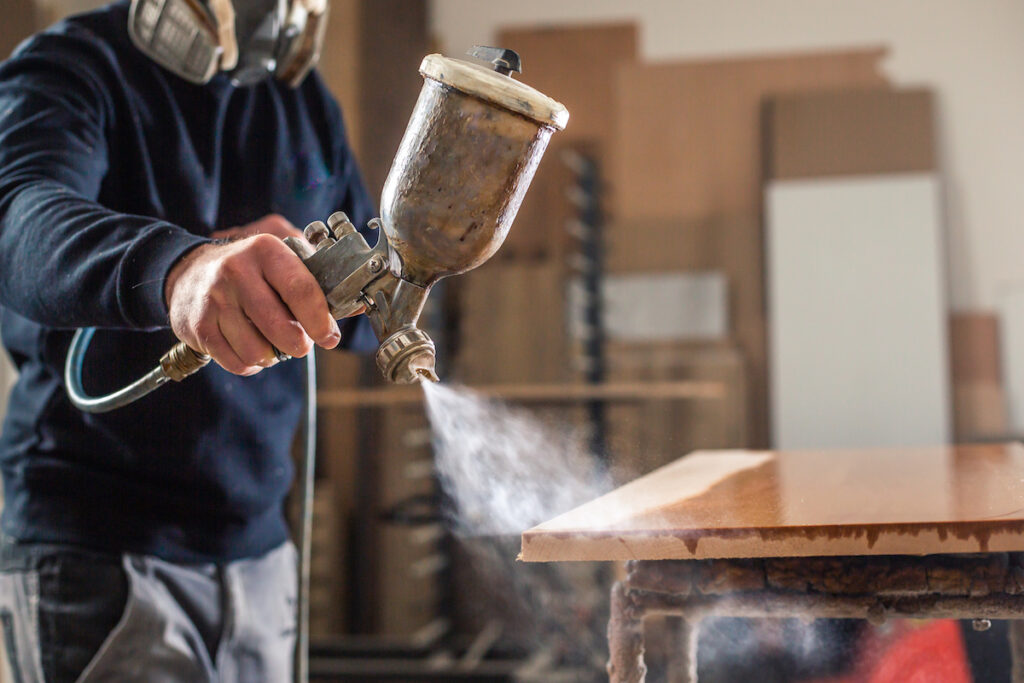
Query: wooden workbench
(920, 532)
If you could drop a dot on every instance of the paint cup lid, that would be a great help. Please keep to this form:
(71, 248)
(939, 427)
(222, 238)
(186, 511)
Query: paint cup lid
(479, 81)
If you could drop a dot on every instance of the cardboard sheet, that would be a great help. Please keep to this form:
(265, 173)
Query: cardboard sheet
(849, 132)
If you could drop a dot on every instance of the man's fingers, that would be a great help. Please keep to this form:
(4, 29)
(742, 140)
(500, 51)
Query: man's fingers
(274, 321)
(302, 295)
(251, 349)
(214, 344)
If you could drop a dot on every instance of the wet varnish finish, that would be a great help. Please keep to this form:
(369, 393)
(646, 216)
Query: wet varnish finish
(913, 501)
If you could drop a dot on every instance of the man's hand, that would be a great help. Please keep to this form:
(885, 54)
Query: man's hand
(234, 300)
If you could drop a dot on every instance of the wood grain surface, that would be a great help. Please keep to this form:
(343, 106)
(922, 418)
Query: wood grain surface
(916, 501)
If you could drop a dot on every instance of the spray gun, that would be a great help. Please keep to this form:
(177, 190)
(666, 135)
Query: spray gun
(470, 150)
(354, 276)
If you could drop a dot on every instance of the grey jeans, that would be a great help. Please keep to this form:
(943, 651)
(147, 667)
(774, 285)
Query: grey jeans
(170, 622)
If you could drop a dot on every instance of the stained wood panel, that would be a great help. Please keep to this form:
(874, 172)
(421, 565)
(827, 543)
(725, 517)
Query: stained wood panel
(687, 147)
(920, 501)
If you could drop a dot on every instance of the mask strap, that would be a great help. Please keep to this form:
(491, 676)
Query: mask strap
(304, 53)
(224, 12)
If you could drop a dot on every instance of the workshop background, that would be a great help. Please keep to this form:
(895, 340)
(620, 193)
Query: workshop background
(816, 205)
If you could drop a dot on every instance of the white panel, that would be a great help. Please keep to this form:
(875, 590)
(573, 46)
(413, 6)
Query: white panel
(857, 314)
(658, 306)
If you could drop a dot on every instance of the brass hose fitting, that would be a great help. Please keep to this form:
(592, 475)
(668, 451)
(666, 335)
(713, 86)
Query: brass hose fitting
(182, 360)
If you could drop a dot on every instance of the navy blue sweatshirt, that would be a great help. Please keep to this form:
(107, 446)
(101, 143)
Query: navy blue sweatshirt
(111, 169)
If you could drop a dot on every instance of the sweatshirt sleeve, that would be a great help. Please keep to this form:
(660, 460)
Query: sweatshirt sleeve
(65, 260)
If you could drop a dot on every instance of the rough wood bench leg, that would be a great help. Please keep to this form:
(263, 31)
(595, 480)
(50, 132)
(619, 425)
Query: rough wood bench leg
(625, 639)
(682, 663)
(1016, 637)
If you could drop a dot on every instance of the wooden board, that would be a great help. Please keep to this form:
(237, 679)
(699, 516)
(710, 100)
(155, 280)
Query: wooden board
(633, 245)
(962, 499)
(979, 400)
(979, 411)
(974, 348)
(512, 324)
(21, 19)
(376, 87)
(643, 435)
(850, 132)
(688, 148)
(538, 234)
(1010, 303)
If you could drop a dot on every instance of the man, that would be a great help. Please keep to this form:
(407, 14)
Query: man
(145, 186)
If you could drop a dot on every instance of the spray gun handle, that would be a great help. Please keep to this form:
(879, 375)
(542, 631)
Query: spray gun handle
(353, 277)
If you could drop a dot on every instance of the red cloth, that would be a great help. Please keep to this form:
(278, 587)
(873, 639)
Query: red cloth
(934, 653)
(915, 652)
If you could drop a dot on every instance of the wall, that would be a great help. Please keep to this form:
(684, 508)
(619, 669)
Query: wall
(971, 53)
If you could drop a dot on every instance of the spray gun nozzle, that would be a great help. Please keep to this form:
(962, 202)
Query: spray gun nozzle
(428, 374)
(407, 357)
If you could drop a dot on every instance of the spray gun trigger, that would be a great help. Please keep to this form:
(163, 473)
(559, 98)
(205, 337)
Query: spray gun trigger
(381, 305)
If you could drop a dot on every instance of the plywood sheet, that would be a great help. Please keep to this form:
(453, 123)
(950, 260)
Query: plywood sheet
(539, 233)
(688, 147)
(512, 324)
(643, 436)
(801, 503)
(377, 88)
(21, 19)
(849, 132)
(575, 65)
(974, 348)
(979, 411)
(662, 244)
(857, 312)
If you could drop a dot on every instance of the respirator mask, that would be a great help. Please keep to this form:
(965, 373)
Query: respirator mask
(247, 39)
